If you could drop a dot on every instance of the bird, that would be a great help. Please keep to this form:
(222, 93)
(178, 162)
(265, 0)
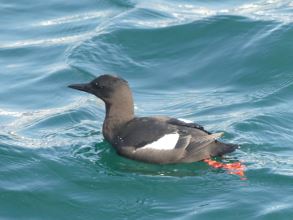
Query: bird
(154, 139)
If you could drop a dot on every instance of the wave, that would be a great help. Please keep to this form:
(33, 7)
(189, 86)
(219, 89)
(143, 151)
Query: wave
(151, 53)
(154, 14)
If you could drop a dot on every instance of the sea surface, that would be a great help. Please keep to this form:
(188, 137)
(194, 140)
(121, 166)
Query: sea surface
(227, 65)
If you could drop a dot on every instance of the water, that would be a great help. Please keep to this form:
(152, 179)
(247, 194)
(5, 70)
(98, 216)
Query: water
(224, 64)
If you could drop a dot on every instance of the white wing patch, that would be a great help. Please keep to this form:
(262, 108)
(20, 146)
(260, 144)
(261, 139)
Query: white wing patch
(185, 120)
(167, 142)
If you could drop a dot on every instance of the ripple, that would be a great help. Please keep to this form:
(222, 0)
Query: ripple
(274, 207)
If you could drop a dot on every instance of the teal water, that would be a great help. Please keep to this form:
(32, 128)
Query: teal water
(224, 64)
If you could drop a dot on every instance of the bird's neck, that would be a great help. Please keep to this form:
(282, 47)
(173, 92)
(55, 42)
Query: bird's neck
(118, 113)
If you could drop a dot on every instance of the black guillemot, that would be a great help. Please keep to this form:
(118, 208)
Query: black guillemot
(157, 139)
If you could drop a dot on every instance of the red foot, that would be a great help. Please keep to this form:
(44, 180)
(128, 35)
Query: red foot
(233, 168)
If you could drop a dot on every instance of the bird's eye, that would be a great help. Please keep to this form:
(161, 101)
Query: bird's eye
(99, 86)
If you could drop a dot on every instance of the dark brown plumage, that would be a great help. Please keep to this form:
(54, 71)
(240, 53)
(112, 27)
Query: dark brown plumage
(158, 139)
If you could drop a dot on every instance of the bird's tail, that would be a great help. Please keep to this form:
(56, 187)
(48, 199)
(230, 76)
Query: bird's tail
(218, 148)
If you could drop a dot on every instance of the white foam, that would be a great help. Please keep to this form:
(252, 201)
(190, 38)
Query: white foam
(167, 142)
(45, 42)
(74, 18)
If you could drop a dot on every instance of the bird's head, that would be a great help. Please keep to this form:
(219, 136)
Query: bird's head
(106, 87)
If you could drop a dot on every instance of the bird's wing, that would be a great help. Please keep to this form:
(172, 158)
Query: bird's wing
(155, 141)
(168, 149)
(143, 131)
(162, 133)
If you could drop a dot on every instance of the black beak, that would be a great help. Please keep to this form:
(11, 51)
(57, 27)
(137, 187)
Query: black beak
(86, 87)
